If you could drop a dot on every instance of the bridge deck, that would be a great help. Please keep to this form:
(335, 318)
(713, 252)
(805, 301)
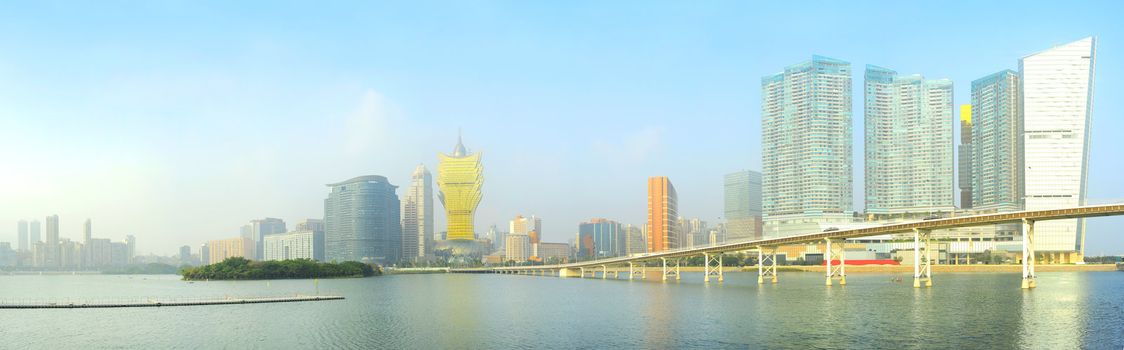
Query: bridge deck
(935, 224)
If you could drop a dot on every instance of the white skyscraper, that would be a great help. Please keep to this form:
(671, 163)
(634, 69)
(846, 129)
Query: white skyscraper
(417, 216)
(1056, 105)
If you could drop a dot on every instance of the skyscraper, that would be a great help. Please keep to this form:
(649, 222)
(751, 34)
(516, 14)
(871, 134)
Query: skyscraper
(530, 226)
(52, 253)
(34, 234)
(606, 236)
(964, 162)
(362, 221)
(663, 211)
(743, 205)
(185, 255)
(22, 235)
(130, 248)
(459, 178)
(87, 231)
(262, 227)
(995, 142)
(417, 216)
(909, 143)
(1056, 101)
(806, 147)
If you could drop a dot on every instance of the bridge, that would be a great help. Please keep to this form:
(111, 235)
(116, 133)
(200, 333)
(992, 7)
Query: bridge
(767, 249)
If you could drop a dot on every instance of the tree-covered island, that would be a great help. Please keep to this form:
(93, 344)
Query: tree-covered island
(239, 268)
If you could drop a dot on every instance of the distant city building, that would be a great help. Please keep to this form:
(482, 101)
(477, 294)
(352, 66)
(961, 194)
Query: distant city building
(70, 254)
(498, 239)
(34, 232)
(87, 231)
(548, 251)
(909, 143)
(964, 160)
(22, 235)
(634, 240)
(204, 254)
(295, 245)
(99, 252)
(995, 140)
(130, 248)
(222, 249)
(52, 249)
(417, 217)
(1056, 104)
(185, 255)
(526, 226)
(459, 178)
(310, 225)
(246, 231)
(692, 232)
(743, 205)
(8, 257)
(663, 210)
(261, 228)
(518, 248)
(606, 237)
(119, 253)
(806, 147)
(362, 221)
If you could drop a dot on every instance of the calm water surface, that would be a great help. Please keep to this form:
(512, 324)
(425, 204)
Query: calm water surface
(1067, 311)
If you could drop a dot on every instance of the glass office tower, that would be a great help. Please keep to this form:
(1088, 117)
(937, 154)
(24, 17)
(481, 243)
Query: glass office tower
(1056, 103)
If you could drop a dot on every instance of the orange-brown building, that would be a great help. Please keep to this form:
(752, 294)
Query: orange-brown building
(663, 211)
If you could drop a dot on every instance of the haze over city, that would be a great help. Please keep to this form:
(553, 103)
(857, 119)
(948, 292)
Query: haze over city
(179, 122)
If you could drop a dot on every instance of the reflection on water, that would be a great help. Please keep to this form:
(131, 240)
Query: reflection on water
(1067, 310)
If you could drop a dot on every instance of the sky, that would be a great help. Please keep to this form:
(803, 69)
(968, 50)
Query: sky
(179, 121)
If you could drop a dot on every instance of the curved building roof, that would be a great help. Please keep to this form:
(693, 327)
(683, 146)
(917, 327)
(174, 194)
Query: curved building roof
(365, 178)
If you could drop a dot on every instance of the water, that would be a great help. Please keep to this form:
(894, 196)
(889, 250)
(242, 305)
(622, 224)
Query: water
(963, 310)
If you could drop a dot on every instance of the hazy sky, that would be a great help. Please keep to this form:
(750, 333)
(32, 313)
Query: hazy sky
(178, 122)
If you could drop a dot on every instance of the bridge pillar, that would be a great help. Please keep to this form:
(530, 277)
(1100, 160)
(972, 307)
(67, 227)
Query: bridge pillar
(766, 264)
(713, 267)
(1029, 255)
(832, 251)
(604, 272)
(922, 263)
(582, 270)
(672, 271)
(632, 270)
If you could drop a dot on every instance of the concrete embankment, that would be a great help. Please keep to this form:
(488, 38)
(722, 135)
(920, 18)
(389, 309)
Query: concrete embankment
(163, 303)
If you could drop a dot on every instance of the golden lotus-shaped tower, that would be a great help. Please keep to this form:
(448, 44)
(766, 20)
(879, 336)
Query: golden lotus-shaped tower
(459, 178)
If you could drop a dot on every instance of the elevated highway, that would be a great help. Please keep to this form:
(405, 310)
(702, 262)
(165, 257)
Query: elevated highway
(767, 248)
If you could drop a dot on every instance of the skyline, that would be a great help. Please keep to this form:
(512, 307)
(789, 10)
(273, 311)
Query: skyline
(201, 158)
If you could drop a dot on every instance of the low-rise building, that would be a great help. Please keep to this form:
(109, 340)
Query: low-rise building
(306, 244)
(547, 251)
